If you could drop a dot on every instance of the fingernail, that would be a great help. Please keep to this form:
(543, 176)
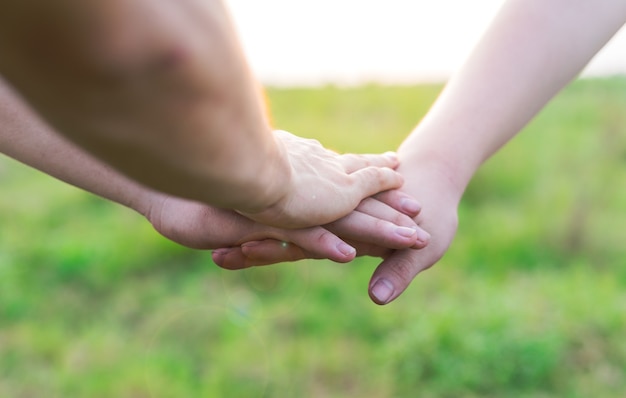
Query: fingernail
(382, 290)
(346, 249)
(410, 206)
(220, 251)
(251, 243)
(422, 235)
(218, 254)
(406, 232)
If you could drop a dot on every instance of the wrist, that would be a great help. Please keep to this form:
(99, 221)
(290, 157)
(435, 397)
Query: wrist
(146, 202)
(451, 173)
(272, 181)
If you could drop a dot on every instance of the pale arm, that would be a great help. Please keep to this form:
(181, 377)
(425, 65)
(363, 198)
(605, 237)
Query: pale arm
(531, 51)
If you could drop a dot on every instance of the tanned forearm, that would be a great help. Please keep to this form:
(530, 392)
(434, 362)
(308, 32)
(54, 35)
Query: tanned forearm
(159, 90)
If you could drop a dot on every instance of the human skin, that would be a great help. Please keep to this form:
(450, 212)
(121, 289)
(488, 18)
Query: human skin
(532, 50)
(30, 140)
(162, 92)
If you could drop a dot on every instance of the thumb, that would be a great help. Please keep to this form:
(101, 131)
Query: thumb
(396, 272)
(372, 180)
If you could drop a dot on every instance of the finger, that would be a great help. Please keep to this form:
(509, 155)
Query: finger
(318, 242)
(400, 201)
(313, 243)
(396, 272)
(370, 181)
(272, 251)
(230, 258)
(364, 228)
(353, 162)
(258, 253)
(378, 209)
(265, 252)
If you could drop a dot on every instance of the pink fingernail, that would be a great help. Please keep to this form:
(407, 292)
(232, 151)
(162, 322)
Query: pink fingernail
(346, 249)
(410, 206)
(422, 235)
(382, 290)
(218, 255)
(220, 252)
(406, 232)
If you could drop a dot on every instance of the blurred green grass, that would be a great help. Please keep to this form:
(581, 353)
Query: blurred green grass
(528, 302)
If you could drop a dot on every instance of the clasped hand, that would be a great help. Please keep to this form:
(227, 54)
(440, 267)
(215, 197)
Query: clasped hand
(390, 224)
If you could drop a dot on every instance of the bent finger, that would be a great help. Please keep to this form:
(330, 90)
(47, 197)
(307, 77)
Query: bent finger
(379, 209)
(400, 201)
(370, 181)
(272, 252)
(314, 243)
(364, 228)
(258, 253)
(396, 272)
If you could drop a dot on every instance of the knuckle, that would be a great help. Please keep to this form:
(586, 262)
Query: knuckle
(350, 157)
(373, 175)
(384, 177)
(402, 220)
(313, 141)
(380, 227)
(404, 269)
(323, 238)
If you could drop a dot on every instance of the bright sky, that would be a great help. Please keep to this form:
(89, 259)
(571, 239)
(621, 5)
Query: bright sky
(301, 42)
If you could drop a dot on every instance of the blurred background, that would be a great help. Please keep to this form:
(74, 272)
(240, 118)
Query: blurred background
(528, 302)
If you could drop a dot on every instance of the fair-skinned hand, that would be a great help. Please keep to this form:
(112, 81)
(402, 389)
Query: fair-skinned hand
(439, 197)
(325, 186)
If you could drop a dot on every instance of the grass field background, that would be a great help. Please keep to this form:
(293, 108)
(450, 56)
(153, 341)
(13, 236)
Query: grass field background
(529, 302)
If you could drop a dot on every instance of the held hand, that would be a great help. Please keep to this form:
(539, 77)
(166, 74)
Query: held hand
(439, 217)
(377, 227)
(198, 226)
(439, 198)
(325, 186)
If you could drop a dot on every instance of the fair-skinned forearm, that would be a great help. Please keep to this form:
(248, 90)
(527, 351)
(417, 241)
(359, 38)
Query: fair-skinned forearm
(530, 52)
